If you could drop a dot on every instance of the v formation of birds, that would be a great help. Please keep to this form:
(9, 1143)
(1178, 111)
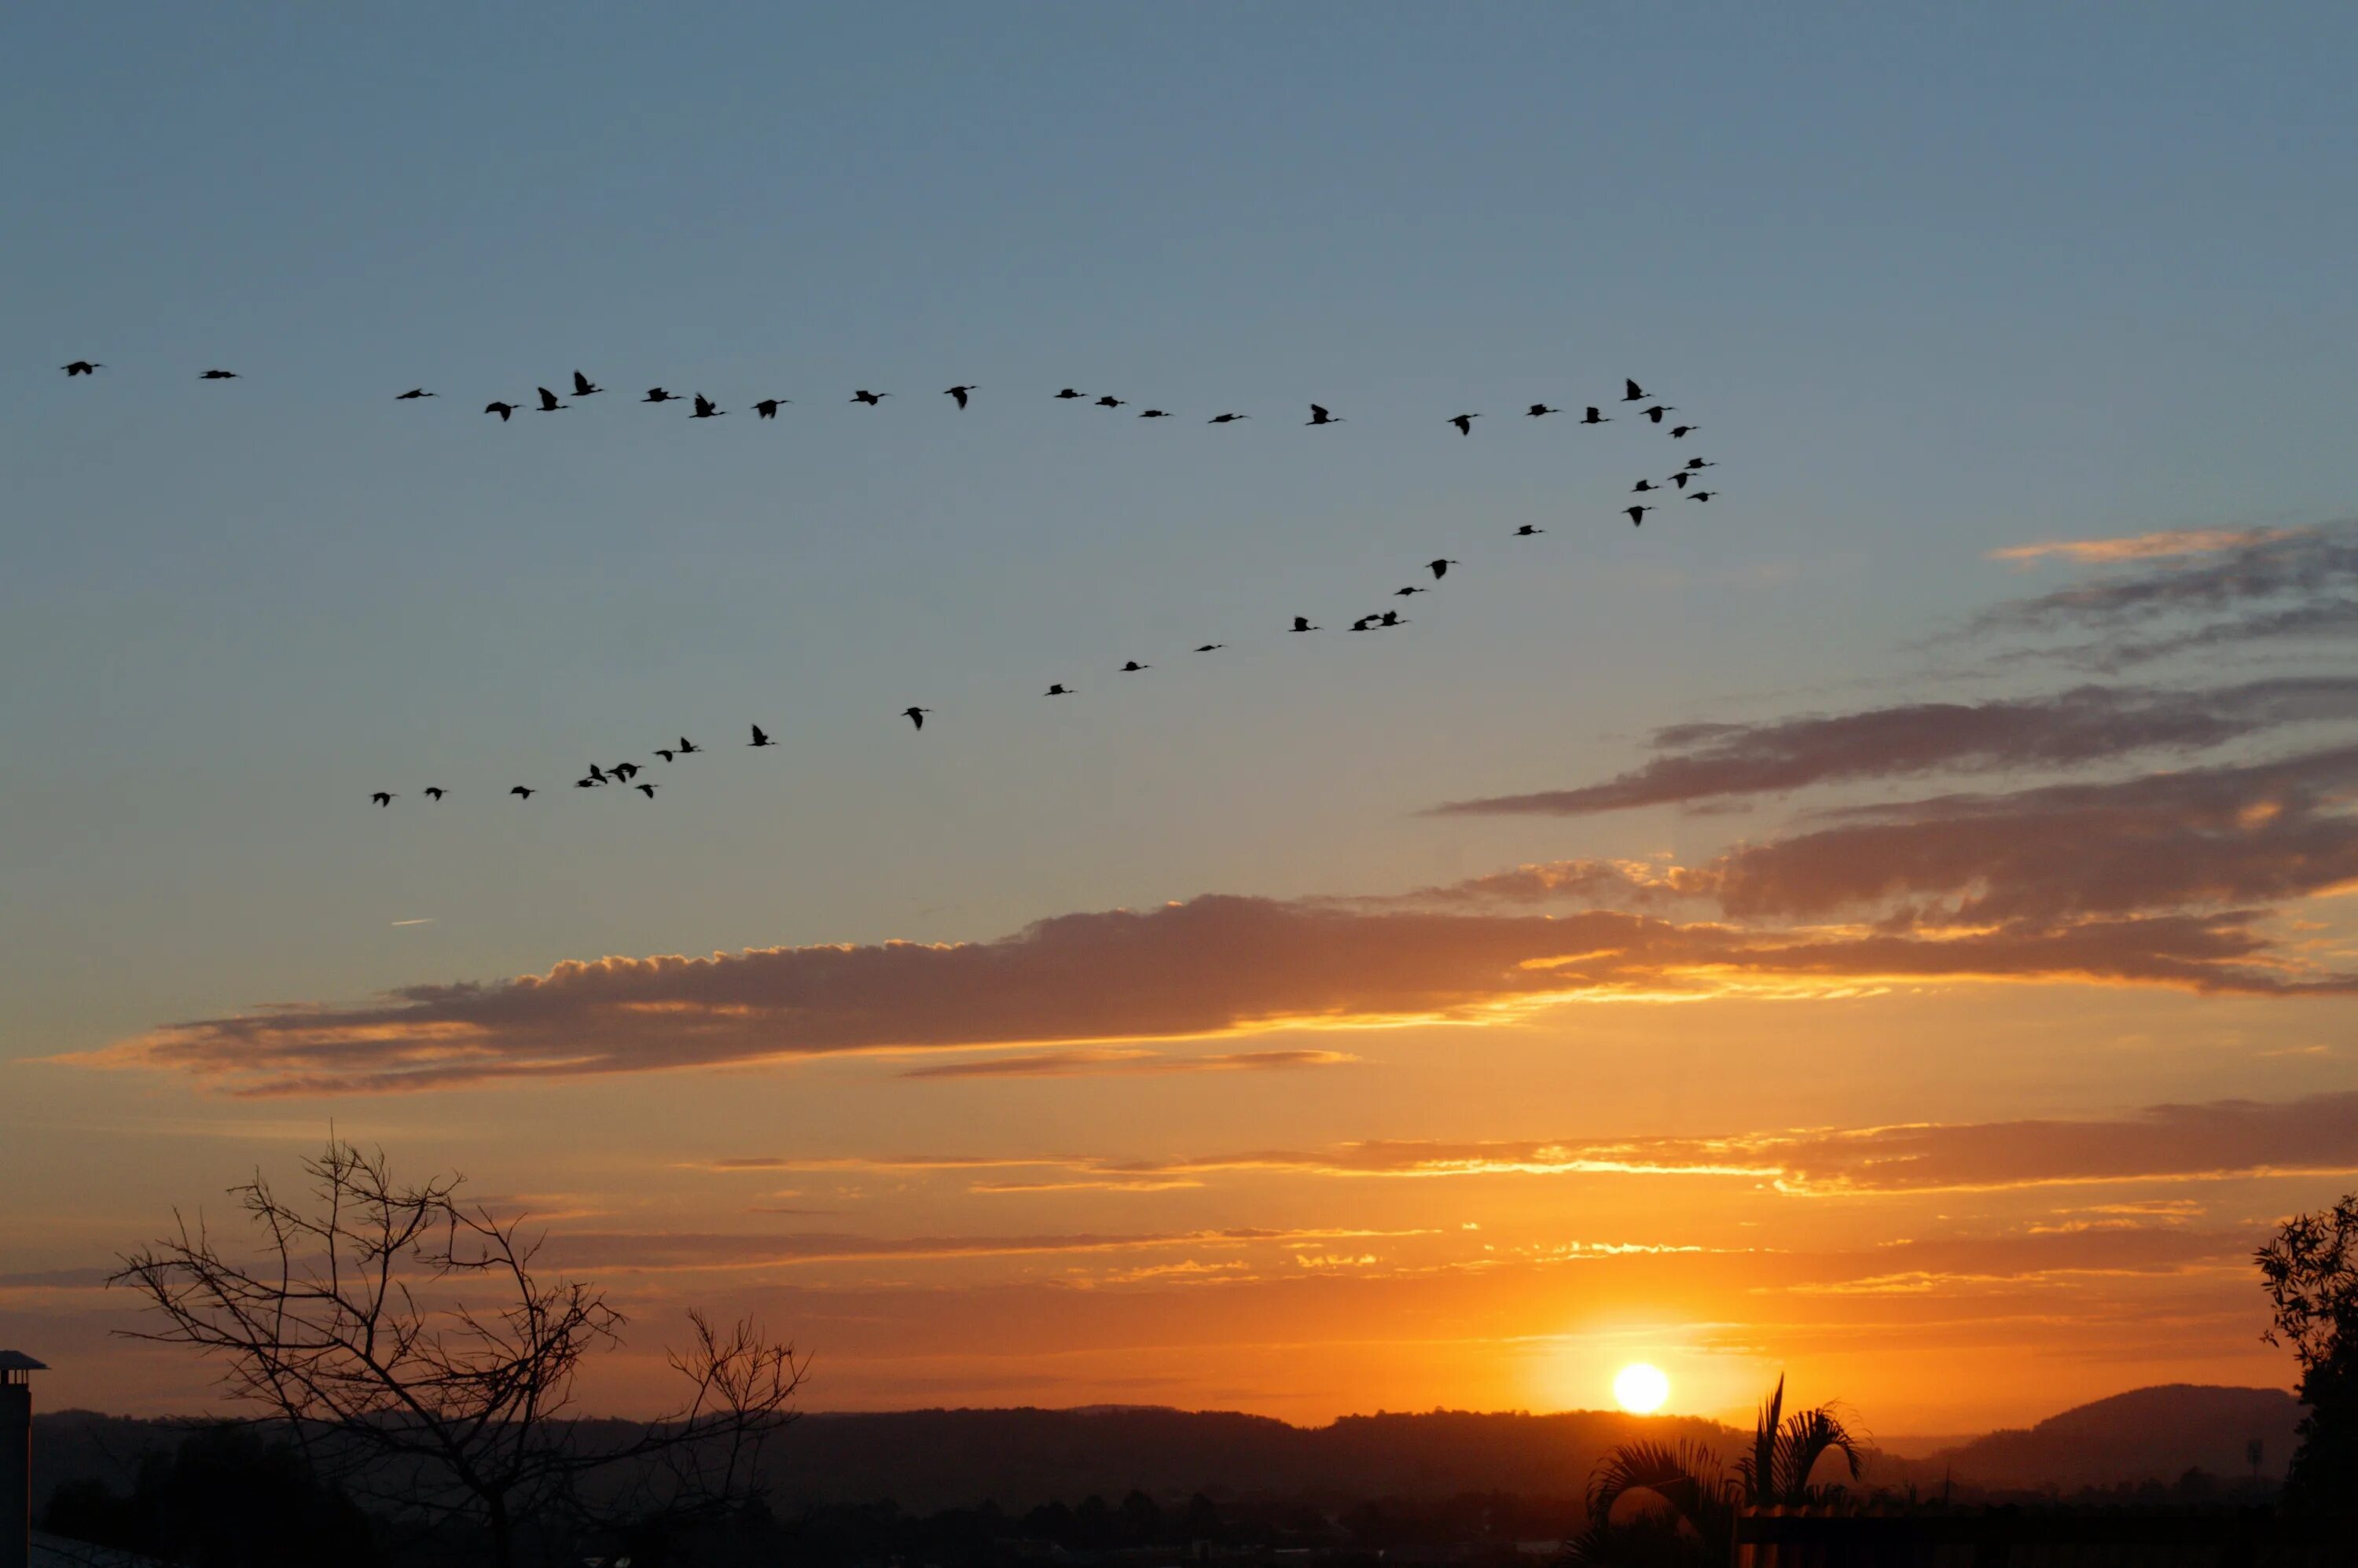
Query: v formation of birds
(626, 775)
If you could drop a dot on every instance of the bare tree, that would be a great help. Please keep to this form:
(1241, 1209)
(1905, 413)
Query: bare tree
(406, 1337)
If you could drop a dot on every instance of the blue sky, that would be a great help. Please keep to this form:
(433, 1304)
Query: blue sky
(1931, 280)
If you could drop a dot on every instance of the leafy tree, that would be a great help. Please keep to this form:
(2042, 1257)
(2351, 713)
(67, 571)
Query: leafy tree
(2310, 1269)
(414, 1350)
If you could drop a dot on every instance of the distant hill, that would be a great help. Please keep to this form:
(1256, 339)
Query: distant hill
(2145, 1435)
(929, 1460)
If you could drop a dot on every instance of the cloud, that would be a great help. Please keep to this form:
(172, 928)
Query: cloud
(2207, 1142)
(1100, 1060)
(1695, 762)
(2142, 546)
(690, 1251)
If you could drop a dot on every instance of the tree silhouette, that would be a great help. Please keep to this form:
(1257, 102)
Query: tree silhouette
(415, 1353)
(2310, 1269)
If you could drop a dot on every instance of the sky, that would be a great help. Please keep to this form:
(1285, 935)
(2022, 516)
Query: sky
(1880, 925)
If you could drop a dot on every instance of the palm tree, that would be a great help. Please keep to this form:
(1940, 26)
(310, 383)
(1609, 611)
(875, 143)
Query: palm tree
(1696, 1520)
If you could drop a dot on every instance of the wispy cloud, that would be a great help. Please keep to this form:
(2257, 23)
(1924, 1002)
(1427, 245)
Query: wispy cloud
(2141, 547)
(1116, 1060)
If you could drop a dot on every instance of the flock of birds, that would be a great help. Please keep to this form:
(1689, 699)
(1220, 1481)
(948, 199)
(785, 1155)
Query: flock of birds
(626, 775)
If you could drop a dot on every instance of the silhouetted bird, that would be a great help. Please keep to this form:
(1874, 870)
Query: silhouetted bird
(1226, 418)
(1441, 568)
(1133, 667)
(869, 398)
(1694, 463)
(1637, 515)
(705, 409)
(1363, 623)
(594, 775)
(760, 739)
(959, 393)
(219, 376)
(666, 753)
(383, 797)
(688, 747)
(548, 404)
(1404, 593)
(1059, 689)
(1110, 401)
(1703, 495)
(522, 794)
(434, 792)
(1642, 486)
(1680, 478)
(657, 395)
(80, 367)
(1678, 432)
(1068, 394)
(1211, 647)
(1658, 410)
(1634, 393)
(648, 790)
(625, 772)
(1527, 530)
(1320, 416)
(768, 407)
(1301, 623)
(416, 392)
(587, 784)
(1154, 414)
(1391, 618)
(1536, 409)
(1465, 423)
(584, 387)
(1593, 418)
(501, 409)
(916, 716)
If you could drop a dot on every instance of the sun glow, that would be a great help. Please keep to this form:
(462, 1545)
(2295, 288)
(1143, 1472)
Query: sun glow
(1641, 1389)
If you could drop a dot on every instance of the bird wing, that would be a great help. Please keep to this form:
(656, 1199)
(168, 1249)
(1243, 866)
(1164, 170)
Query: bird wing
(1633, 389)
(581, 382)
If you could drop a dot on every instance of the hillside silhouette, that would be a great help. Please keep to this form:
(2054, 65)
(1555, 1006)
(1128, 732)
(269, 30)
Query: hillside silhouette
(1018, 1458)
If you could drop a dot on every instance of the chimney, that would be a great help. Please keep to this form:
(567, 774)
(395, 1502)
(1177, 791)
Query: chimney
(17, 1458)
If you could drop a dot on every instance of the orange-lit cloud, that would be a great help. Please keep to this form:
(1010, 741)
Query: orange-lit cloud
(2142, 546)
(1107, 1059)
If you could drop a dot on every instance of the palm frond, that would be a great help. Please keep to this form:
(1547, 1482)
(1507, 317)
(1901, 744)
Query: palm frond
(1684, 1472)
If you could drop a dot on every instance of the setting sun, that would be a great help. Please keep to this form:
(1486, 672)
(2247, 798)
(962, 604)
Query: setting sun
(1641, 1389)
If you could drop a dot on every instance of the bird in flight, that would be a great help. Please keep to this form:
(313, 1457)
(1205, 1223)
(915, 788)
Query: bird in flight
(80, 367)
(666, 753)
(1680, 478)
(594, 776)
(657, 395)
(648, 790)
(1154, 414)
(761, 738)
(1404, 593)
(219, 376)
(1703, 495)
(434, 792)
(625, 772)
(705, 409)
(383, 797)
(1593, 418)
(1133, 667)
(688, 746)
(1678, 432)
(548, 404)
(584, 387)
(915, 716)
(414, 393)
(501, 409)
(1441, 567)
(1527, 530)
(1465, 423)
(1637, 516)
(1110, 401)
(1658, 410)
(869, 398)
(1226, 418)
(1634, 393)
(1391, 618)
(522, 794)
(959, 393)
(1694, 463)
(768, 407)
(1058, 689)
(1320, 416)
(1301, 623)
(1363, 623)
(1068, 394)
(587, 784)
(1642, 486)
(1536, 409)
(1211, 647)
